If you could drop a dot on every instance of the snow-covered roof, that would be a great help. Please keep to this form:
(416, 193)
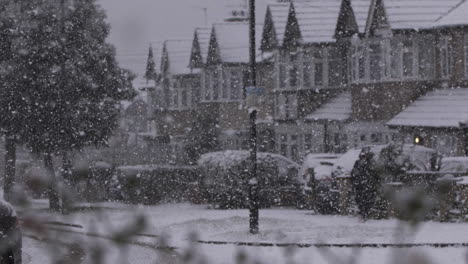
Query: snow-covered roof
(457, 16)
(178, 52)
(203, 37)
(361, 12)
(337, 109)
(157, 47)
(317, 19)
(444, 108)
(233, 41)
(279, 15)
(417, 14)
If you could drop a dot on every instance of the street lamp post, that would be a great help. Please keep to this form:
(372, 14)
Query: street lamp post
(253, 183)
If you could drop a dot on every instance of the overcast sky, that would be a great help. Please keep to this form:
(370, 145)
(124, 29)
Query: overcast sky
(137, 22)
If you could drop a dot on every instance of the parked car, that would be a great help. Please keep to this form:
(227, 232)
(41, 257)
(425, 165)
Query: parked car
(419, 158)
(325, 188)
(320, 164)
(10, 235)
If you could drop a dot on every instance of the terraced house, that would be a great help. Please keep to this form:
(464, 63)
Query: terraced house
(337, 73)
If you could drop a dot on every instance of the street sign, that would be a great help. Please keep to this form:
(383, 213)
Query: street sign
(254, 91)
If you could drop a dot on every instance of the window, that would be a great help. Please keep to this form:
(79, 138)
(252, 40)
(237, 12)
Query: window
(175, 99)
(216, 85)
(283, 147)
(426, 57)
(294, 148)
(291, 106)
(306, 70)
(375, 62)
(408, 58)
(318, 68)
(225, 85)
(293, 71)
(184, 98)
(334, 69)
(466, 54)
(286, 106)
(208, 86)
(445, 57)
(358, 63)
(307, 142)
(282, 79)
(236, 84)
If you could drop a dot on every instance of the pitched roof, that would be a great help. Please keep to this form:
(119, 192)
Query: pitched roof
(157, 47)
(336, 109)
(233, 41)
(317, 19)
(361, 12)
(178, 52)
(440, 108)
(203, 36)
(416, 14)
(457, 16)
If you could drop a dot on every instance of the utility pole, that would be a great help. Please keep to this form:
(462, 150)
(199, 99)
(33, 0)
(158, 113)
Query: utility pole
(253, 183)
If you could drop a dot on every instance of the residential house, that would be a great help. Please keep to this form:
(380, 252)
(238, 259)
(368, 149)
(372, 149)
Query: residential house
(308, 72)
(440, 49)
(180, 86)
(224, 77)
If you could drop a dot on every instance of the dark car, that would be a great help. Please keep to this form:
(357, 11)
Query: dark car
(10, 235)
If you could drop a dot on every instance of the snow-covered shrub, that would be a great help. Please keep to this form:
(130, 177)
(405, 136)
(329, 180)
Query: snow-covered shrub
(225, 176)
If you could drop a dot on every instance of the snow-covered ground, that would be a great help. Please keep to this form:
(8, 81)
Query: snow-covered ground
(177, 221)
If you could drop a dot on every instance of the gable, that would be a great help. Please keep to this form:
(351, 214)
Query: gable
(195, 56)
(269, 36)
(164, 60)
(378, 19)
(292, 36)
(213, 50)
(347, 24)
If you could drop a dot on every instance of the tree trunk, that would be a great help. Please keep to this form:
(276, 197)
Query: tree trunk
(54, 198)
(10, 167)
(66, 176)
